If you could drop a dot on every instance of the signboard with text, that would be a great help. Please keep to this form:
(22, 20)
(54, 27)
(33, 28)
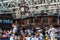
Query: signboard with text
(6, 21)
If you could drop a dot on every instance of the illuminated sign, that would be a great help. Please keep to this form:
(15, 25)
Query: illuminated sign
(6, 21)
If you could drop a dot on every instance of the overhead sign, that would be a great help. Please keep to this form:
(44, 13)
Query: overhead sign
(6, 21)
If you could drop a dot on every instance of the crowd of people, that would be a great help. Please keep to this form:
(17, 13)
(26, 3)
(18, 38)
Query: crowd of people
(20, 33)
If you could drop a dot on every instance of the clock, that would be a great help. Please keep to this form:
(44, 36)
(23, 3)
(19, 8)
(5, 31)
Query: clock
(22, 9)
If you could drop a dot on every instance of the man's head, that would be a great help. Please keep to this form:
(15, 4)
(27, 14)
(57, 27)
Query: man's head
(51, 26)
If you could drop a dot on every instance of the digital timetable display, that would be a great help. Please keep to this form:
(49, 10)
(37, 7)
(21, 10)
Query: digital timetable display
(6, 21)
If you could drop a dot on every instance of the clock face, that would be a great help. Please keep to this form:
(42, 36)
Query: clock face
(22, 9)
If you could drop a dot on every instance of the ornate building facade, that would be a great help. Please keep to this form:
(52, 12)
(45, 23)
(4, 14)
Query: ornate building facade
(33, 12)
(41, 13)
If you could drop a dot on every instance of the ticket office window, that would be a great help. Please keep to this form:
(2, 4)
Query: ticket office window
(30, 20)
(36, 20)
(45, 20)
(54, 20)
(22, 22)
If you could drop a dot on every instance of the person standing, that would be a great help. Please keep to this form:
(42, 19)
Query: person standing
(58, 38)
(14, 28)
(21, 31)
(52, 31)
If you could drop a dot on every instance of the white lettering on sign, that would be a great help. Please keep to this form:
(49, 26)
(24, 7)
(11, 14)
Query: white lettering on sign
(34, 39)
